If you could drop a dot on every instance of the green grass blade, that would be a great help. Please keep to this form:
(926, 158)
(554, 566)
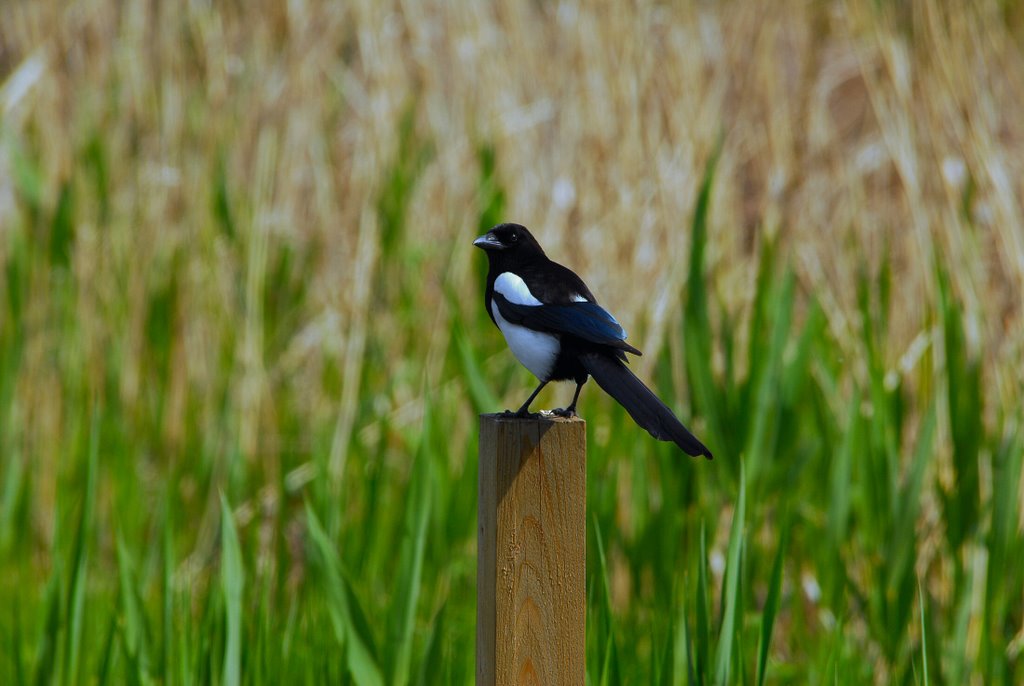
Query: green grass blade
(483, 398)
(103, 672)
(956, 651)
(221, 200)
(80, 557)
(903, 540)
(964, 403)
(232, 583)
(731, 589)
(400, 182)
(924, 634)
(609, 673)
(684, 645)
(703, 661)
(27, 176)
(667, 664)
(609, 664)
(765, 411)
(14, 647)
(10, 497)
(410, 562)
(134, 632)
(771, 609)
(46, 652)
(432, 664)
(697, 334)
(167, 598)
(840, 469)
(359, 653)
(62, 228)
(1005, 543)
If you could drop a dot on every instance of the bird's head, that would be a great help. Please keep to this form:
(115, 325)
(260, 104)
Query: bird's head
(508, 240)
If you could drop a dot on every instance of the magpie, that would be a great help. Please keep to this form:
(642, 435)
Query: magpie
(557, 330)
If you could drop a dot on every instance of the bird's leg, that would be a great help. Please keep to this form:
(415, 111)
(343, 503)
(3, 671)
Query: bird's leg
(571, 410)
(524, 411)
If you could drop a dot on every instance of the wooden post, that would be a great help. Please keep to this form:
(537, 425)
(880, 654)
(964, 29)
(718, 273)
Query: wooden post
(531, 555)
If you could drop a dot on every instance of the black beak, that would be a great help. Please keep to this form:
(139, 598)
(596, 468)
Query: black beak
(488, 242)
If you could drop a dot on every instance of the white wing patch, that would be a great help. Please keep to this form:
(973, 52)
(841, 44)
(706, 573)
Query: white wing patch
(514, 289)
(535, 350)
(579, 299)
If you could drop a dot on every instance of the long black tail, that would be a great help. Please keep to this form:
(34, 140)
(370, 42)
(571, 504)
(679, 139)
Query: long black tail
(643, 406)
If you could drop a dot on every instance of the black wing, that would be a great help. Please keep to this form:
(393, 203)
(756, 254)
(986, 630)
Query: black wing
(585, 320)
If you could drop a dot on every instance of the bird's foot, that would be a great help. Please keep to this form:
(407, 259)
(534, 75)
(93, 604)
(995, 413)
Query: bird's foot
(568, 412)
(521, 413)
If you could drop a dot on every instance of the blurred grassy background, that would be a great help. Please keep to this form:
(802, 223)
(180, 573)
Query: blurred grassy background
(243, 345)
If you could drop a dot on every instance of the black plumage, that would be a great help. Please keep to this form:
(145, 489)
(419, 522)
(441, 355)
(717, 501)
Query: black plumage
(556, 328)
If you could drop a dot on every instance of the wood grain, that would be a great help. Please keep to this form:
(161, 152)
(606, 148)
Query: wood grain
(531, 599)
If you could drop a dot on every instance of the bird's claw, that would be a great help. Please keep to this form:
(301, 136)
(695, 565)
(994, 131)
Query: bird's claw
(521, 413)
(567, 413)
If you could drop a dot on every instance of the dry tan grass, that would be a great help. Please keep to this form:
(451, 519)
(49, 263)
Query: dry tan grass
(848, 133)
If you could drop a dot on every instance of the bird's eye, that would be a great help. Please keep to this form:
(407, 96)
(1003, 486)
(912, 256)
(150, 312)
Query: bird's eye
(513, 237)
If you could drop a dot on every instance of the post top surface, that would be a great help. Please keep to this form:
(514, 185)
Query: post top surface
(543, 417)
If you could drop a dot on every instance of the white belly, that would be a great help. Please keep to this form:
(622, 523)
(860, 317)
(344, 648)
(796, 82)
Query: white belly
(536, 351)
